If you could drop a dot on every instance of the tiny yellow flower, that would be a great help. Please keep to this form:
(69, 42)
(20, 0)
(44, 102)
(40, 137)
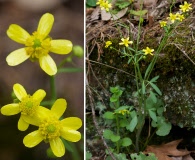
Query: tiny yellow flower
(163, 23)
(107, 6)
(180, 17)
(186, 7)
(28, 106)
(38, 45)
(148, 51)
(125, 42)
(108, 43)
(172, 17)
(100, 2)
(104, 4)
(123, 112)
(51, 129)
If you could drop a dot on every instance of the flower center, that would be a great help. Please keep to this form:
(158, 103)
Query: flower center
(50, 128)
(28, 105)
(37, 46)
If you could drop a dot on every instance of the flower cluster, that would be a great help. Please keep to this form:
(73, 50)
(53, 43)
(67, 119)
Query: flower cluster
(179, 16)
(104, 4)
(50, 125)
(38, 45)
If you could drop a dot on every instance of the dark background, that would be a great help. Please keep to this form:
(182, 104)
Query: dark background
(69, 24)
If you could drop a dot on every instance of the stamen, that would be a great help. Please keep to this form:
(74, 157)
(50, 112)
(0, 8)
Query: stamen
(37, 46)
(28, 105)
(50, 128)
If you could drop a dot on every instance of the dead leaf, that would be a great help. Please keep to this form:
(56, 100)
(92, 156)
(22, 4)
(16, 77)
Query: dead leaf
(95, 14)
(163, 151)
(107, 16)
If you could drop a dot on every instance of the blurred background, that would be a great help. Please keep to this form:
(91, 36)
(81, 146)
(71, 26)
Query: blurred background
(69, 24)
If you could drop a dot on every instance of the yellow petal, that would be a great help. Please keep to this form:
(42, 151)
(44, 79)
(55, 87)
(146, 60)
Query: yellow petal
(16, 57)
(39, 95)
(45, 24)
(59, 107)
(61, 46)
(19, 91)
(48, 65)
(41, 113)
(57, 147)
(10, 109)
(70, 135)
(73, 123)
(32, 139)
(17, 33)
(22, 125)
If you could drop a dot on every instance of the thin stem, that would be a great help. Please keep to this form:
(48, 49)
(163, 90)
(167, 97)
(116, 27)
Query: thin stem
(117, 125)
(53, 88)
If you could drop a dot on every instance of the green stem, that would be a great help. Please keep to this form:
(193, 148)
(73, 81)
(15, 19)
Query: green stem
(53, 88)
(117, 125)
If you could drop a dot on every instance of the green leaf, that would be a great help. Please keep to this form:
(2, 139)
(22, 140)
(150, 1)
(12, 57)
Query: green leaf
(107, 133)
(153, 96)
(122, 4)
(150, 103)
(152, 114)
(164, 129)
(160, 111)
(154, 79)
(88, 155)
(133, 122)
(126, 142)
(123, 122)
(114, 138)
(147, 70)
(155, 88)
(138, 12)
(91, 3)
(113, 99)
(120, 156)
(108, 115)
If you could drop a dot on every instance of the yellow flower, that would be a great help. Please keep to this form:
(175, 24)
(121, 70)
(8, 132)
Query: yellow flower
(163, 23)
(172, 17)
(104, 4)
(126, 42)
(28, 106)
(186, 7)
(180, 17)
(123, 112)
(107, 6)
(108, 43)
(37, 45)
(148, 51)
(51, 129)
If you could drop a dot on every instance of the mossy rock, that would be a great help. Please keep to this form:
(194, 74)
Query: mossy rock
(175, 66)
